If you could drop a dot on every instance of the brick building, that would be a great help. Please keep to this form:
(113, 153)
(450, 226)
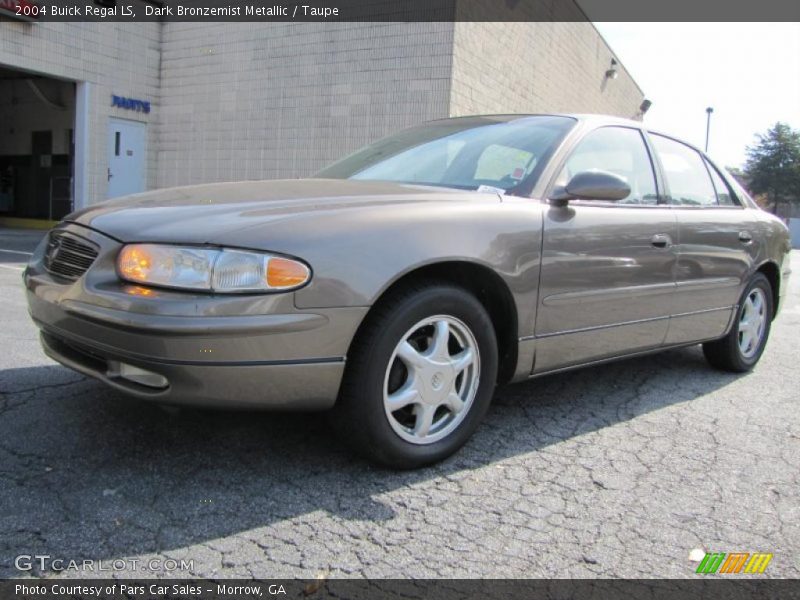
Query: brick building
(97, 110)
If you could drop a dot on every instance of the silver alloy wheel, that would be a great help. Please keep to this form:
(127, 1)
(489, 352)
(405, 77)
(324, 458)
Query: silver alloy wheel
(431, 379)
(752, 322)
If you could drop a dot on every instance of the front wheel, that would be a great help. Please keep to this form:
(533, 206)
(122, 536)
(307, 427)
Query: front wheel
(740, 350)
(419, 377)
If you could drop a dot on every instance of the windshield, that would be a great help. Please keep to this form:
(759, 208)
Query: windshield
(461, 153)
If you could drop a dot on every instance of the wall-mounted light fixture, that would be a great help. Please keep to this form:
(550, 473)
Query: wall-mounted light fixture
(643, 108)
(612, 71)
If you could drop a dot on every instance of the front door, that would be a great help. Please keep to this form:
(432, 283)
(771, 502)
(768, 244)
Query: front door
(126, 160)
(607, 278)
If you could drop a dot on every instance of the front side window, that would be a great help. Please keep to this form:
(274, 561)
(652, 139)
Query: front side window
(617, 150)
(460, 153)
(687, 177)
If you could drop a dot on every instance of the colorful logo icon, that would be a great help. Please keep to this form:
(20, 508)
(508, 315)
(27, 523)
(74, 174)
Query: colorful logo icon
(734, 562)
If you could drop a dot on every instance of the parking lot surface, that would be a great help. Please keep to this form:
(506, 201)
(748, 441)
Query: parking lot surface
(614, 471)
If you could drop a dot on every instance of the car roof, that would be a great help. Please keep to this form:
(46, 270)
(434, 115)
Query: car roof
(584, 117)
(589, 119)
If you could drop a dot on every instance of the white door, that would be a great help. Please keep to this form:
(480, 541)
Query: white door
(125, 157)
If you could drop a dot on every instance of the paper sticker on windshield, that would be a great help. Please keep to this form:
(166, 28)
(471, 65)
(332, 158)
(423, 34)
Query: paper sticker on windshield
(490, 189)
(518, 173)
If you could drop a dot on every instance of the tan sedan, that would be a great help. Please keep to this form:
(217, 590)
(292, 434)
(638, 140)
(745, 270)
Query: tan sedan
(402, 284)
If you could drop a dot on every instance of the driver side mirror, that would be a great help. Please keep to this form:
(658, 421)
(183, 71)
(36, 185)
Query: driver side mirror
(591, 185)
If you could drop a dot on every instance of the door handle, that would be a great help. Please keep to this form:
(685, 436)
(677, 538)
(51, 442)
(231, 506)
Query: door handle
(109, 174)
(661, 240)
(745, 237)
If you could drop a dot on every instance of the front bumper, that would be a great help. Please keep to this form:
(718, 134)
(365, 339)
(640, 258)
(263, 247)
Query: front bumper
(245, 351)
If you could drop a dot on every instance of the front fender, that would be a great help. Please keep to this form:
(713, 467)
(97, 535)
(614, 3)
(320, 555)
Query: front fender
(357, 254)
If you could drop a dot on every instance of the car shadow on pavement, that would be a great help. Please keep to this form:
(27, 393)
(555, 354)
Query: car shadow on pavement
(89, 474)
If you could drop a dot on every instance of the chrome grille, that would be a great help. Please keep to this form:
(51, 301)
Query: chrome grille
(67, 255)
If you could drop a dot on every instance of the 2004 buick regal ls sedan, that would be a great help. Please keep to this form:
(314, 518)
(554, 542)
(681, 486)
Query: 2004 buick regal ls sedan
(402, 284)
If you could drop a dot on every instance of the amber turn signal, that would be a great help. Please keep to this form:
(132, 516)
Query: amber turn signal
(286, 273)
(134, 263)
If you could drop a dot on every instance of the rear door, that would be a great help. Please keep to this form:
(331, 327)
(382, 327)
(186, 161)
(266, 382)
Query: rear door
(607, 277)
(716, 243)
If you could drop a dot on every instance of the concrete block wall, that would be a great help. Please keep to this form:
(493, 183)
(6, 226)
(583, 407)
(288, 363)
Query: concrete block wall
(114, 58)
(537, 67)
(234, 101)
(253, 101)
(282, 100)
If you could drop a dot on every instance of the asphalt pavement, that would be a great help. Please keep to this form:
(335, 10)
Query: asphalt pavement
(614, 471)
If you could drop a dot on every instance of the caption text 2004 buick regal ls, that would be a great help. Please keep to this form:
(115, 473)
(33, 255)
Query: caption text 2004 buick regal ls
(403, 283)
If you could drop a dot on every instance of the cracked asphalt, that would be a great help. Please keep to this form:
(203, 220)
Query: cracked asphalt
(614, 471)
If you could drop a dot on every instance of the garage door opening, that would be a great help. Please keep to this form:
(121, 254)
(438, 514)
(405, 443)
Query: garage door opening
(37, 147)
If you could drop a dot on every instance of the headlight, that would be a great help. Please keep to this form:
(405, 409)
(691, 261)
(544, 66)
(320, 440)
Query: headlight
(209, 269)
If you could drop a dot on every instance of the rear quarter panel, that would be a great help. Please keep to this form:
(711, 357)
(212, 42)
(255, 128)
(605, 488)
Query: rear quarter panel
(777, 245)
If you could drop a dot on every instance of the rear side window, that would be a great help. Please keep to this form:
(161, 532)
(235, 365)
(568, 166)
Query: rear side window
(687, 177)
(724, 195)
(742, 197)
(618, 150)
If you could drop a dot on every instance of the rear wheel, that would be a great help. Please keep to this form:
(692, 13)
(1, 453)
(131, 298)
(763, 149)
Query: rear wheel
(419, 378)
(740, 350)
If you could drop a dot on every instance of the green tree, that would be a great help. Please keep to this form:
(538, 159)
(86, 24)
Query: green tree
(739, 176)
(773, 165)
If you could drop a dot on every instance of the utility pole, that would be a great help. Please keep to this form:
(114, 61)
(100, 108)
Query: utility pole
(709, 110)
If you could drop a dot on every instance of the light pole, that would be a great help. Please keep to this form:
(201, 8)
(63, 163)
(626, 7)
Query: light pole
(709, 110)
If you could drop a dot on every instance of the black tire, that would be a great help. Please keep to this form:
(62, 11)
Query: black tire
(359, 416)
(725, 354)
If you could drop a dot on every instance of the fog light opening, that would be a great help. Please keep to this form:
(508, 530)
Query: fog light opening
(137, 375)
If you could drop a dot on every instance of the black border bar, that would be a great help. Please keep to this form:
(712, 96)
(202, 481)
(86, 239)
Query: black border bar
(701, 588)
(299, 11)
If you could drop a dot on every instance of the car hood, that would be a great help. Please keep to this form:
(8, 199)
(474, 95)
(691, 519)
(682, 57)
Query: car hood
(209, 213)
